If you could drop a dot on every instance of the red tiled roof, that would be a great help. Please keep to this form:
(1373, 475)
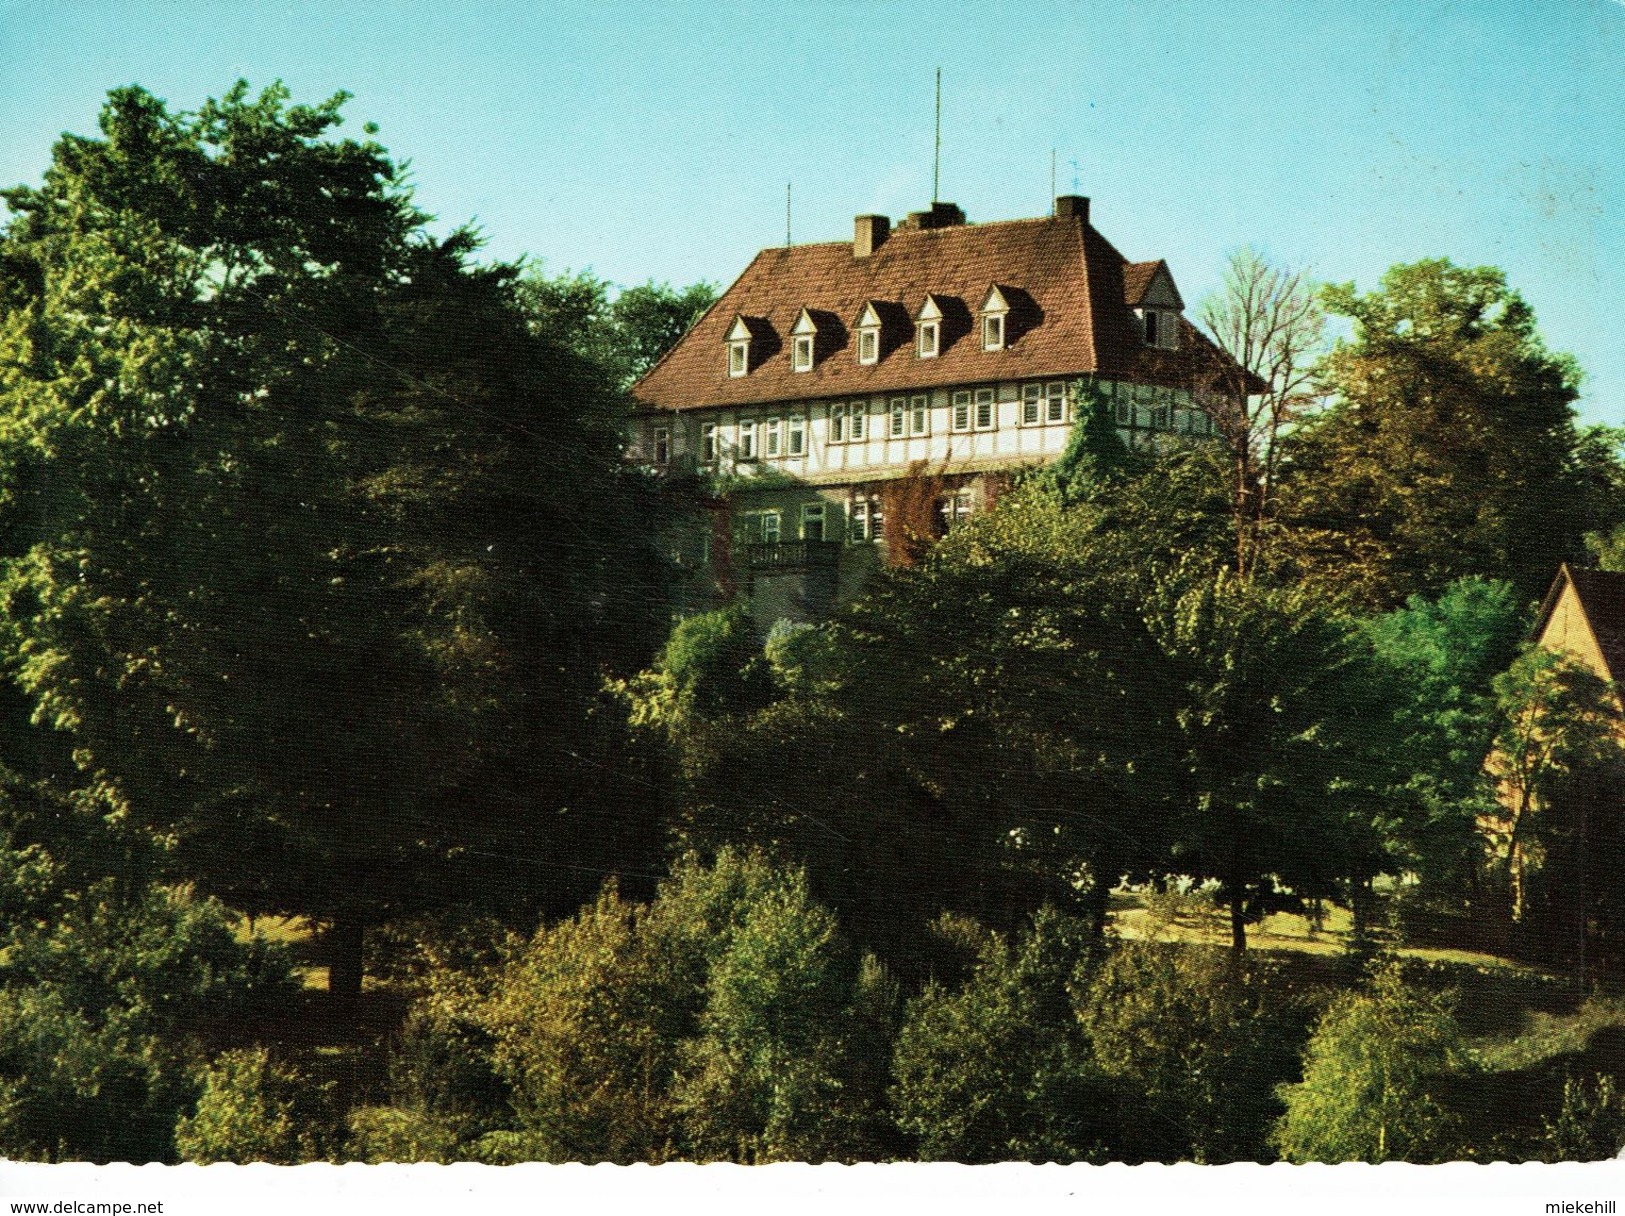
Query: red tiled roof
(1137, 278)
(1072, 285)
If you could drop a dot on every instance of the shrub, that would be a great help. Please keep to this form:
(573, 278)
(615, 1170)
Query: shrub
(103, 1007)
(727, 1019)
(1590, 1126)
(1000, 1069)
(1373, 1066)
(253, 1108)
(1206, 1041)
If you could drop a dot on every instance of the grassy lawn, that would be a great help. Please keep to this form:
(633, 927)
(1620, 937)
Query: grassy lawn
(1529, 1030)
(296, 933)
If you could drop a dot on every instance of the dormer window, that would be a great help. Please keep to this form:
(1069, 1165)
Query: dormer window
(995, 310)
(739, 339)
(803, 343)
(928, 329)
(869, 327)
(1159, 328)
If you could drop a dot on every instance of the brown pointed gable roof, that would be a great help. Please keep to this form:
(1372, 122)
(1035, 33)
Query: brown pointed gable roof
(1138, 278)
(1600, 595)
(1070, 280)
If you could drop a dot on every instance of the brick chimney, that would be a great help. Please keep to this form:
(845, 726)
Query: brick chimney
(869, 233)
(941, 215)
(1072, 206)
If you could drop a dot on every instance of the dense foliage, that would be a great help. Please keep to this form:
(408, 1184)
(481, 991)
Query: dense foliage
(328, 588)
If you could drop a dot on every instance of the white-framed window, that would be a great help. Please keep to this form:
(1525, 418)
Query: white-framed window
(919, 414)
(993, 331)
(812, 521)
(773, 439)
(747, 440)
(796, 435)
(770, 527)
(855, 420)
(801, 353)
(985, 414)
(837, 422)
(1055, 401)
(930, 338)
(662, 444)
(869, 345)
(738, 358)
(954, 509)
(899, 417)
(866, 520)
(1032, 404)
(960, 411)
(708, 443)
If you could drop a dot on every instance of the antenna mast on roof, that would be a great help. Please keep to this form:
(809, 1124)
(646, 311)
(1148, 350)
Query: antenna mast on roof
(936, 157)
(787, 215)
(1052, 183)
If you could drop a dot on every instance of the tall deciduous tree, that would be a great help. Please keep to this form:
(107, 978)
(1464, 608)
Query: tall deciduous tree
(1267, 319)
(1452, 438)
(307, 536)
(624, 331)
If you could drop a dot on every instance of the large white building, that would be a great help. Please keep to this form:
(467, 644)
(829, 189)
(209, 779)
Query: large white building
(830, 376)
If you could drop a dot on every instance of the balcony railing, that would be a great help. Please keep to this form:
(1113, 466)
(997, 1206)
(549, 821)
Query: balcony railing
(792, 554)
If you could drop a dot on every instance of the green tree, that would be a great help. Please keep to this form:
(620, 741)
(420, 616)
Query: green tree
(1205, 1042)
(1558, 766)
(1590, 1125)
(306, 534)
(1278, 740)
(1445, 655)
(108, 993)
(1000, 1069)
(624, 331)
(1372, 1075)
(255, 1108)
(726, 1020)
(1451, 440)
(1558, 718)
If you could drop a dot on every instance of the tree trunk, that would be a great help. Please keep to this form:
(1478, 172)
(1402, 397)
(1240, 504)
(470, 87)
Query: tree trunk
(1095, 904)
(344, 941)
(1238, 902)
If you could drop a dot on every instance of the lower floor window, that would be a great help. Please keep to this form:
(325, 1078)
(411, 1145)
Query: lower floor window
(865, 519)
(763, 526)
(812, 521)
(954, 509)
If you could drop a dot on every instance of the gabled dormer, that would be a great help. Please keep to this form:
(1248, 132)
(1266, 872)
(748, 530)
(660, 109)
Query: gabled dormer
(928, 328)
(743, 344)
(995, 314)
(869, 328)
(882, 326)
(804, 342)
(1151, 293)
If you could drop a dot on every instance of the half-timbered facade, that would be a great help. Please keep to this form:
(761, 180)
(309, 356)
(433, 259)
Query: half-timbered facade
(829, 371)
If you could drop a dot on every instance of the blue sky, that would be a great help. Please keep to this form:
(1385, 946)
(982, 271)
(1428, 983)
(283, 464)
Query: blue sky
(655, 140)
